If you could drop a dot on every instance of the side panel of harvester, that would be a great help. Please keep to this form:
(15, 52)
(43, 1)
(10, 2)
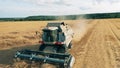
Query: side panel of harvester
(68, 32)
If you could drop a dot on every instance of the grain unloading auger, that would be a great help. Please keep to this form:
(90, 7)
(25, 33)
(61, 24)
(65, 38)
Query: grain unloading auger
(56, 41)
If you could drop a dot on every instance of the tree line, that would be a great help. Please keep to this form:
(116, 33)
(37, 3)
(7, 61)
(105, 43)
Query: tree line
(65, 17)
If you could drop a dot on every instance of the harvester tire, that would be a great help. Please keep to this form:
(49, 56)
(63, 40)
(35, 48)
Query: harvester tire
(41, 48)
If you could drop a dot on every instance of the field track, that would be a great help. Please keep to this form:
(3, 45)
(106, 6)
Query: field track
(99, 48)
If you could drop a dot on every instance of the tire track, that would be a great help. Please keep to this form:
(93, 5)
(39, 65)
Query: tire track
(80, 49)
(97, 55)
(115, 45)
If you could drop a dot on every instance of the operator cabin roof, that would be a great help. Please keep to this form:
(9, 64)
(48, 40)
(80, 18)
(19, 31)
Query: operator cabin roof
(52, 28)
(56, 24)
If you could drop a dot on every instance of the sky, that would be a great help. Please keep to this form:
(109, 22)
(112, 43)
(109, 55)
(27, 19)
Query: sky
(24, 8)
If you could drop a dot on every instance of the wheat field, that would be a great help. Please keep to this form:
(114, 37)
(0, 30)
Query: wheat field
(95, 44)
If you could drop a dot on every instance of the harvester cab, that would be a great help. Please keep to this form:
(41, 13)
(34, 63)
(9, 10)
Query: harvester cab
(55, 43)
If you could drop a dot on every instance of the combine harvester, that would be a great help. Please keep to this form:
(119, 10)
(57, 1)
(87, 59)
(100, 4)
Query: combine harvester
(55, 44)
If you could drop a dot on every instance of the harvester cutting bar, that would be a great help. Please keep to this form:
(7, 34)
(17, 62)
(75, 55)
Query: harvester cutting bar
(38, 56)
(42, 53)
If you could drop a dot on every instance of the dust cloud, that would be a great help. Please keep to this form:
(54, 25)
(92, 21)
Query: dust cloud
(79, 28)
